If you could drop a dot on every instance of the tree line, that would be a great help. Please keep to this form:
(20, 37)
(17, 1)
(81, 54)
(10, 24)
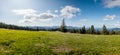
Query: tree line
(9, 26)
(63, 28)
(90, 30)
(15, 27)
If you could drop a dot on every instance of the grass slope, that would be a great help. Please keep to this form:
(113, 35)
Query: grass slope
(16, 42)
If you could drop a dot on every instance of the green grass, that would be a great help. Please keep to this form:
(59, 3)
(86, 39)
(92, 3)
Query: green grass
(16, 42)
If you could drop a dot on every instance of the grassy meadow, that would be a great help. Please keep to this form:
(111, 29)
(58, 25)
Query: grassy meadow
(16, 42)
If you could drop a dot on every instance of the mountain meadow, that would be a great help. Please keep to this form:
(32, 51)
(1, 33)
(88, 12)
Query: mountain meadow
(59, 27)
(20, 42)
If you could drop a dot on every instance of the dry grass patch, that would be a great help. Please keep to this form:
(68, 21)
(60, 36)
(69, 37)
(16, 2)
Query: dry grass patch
(62, 49)
(39, 45)
(4, 50)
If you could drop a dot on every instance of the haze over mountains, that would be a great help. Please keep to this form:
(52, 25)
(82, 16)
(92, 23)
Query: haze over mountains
(68, 27)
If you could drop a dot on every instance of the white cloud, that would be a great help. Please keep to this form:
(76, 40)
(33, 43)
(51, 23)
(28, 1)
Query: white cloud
(111, 3)
(47, 16)
(28, 18)
(116, 25)
(29, 15)
(69, 11)
(24, 11)
(109, 17)
(26, 21)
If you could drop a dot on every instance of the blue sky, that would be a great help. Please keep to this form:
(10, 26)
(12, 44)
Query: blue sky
(51, 12)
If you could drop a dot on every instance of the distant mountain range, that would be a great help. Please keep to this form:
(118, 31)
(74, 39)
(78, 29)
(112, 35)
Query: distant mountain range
(68, 27)
(51, 27)
(116, 29)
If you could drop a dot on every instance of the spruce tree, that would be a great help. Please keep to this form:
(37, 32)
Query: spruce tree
(83, 30)
(112, 32)
(104, 30)
(92, 30)
(63, 26)
(37, 29)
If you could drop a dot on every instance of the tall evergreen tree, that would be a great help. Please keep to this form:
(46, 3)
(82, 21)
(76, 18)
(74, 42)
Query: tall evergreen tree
(112, 32)
(63, 26)
(104, 30)
(37, 29)
(83, 30)
(92, 30)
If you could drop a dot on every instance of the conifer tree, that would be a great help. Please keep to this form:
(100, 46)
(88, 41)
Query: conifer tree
(92, 30)
(37, 29)
(111, 32)
(63, 26)
(83, 30)
(104, 30)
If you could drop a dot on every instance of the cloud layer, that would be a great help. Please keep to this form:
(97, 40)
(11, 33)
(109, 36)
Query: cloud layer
(111, 3)
(30, 15)
(109, 17)
(117, 24)
(69, 11)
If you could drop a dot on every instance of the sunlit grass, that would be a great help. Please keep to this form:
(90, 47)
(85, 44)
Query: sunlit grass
(17, 42)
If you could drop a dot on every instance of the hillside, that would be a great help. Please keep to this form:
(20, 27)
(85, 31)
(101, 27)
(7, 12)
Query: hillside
(16, 42)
